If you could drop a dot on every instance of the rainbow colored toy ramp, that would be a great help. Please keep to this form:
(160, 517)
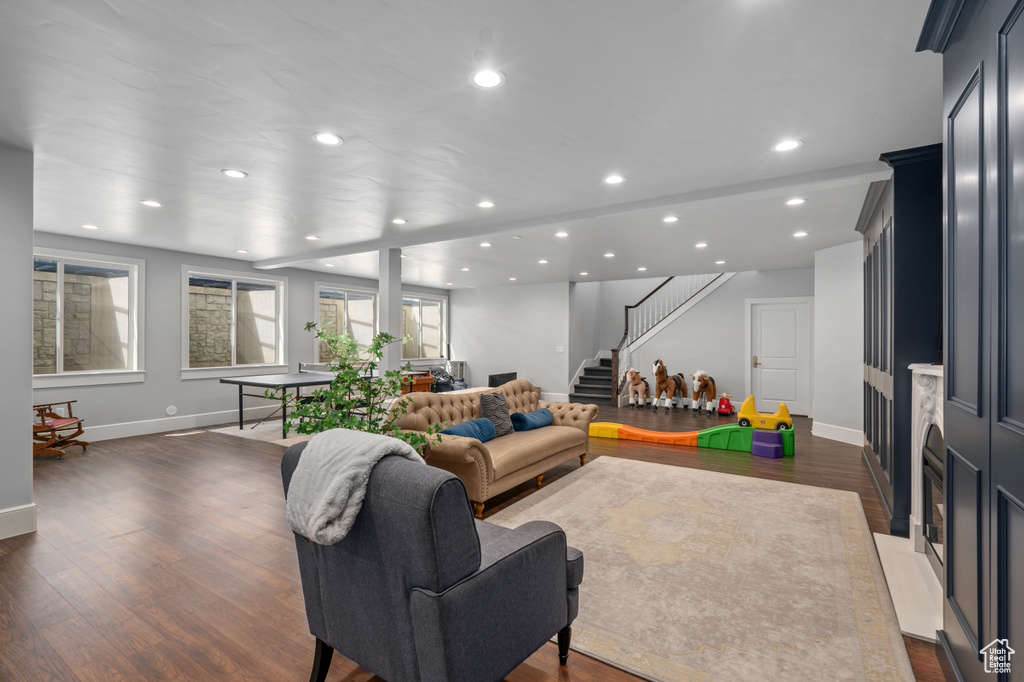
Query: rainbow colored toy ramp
(728, 437)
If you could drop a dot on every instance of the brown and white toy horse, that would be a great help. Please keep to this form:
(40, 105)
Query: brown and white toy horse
(667, 385)
(704, 392)
(639, 389)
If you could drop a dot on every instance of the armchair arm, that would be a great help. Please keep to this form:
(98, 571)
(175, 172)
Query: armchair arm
(572, 414)
(467, 458)
(483, 626)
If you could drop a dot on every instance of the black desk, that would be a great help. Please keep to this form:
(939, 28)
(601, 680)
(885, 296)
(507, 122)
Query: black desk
(276, 381)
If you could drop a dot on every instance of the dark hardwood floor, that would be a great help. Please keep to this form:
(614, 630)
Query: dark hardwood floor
(167, 557)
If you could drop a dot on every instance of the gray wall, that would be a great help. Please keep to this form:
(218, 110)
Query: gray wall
(513, 329)
(163, 386)
(839, 338)
(711, 335)
(16, 169)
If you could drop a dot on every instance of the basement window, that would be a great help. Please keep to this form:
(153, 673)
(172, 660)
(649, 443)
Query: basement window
(86, 319)
(424, 321)
(345, 311)
(233, 321)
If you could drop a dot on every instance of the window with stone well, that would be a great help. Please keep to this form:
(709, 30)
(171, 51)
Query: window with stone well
(346, 311)
(233, 320)
(85, 310)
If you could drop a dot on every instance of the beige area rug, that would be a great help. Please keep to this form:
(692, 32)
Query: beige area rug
(697, 575)
(267, 432)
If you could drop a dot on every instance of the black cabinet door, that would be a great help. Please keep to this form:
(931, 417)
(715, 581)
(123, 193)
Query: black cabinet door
(983, 86)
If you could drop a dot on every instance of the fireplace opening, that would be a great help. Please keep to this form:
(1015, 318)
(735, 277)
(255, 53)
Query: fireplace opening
(933, 461)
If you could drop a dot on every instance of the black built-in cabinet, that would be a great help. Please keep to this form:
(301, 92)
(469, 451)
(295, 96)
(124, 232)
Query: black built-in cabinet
(902, 227)
(982, 44)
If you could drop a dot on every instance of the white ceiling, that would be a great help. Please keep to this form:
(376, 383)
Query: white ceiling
(127, 100)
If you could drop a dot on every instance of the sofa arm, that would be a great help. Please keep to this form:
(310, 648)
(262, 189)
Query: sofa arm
(483, 626)
(572, 414)
(467, 458)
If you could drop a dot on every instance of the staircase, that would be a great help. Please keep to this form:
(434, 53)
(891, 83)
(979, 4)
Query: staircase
(594, 386)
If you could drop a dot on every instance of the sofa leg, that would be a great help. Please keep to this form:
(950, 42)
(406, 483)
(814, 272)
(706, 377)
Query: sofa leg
(583, 459)
(478, 510)
(564, 635)
(540, 480)
(322, 660)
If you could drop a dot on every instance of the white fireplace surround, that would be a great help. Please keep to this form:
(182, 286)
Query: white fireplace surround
(926, 410)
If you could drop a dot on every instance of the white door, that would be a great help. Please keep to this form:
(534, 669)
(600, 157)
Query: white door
(779, 363)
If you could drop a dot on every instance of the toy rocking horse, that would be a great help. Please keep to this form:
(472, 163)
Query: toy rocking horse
(667, 385)
(704, 392)
(639, 389)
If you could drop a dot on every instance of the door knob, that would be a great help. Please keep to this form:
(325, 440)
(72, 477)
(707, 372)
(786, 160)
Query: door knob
(756, 363)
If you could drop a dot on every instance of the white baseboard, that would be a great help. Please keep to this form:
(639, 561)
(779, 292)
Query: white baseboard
(17, 520)
(181, 421)
(554, 397)
(839, 433)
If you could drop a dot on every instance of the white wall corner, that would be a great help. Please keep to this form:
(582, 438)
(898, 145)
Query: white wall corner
(17, 520)
(554, 397)
(839, 433)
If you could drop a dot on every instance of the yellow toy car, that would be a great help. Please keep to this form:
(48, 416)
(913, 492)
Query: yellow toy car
(749, 416)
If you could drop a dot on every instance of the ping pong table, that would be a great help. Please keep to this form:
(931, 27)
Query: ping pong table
(276, 381)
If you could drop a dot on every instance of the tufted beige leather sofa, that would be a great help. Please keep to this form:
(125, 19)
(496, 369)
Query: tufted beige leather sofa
(497, 465)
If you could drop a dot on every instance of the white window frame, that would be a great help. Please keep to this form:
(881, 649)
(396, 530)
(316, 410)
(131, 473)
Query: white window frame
(443, 300)
(319, 286)
(136, 372)
(281, 314)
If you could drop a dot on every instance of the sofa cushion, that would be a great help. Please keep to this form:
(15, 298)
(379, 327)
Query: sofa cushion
(481, 429)
(521, 448)
(534, 420)
(494, 406)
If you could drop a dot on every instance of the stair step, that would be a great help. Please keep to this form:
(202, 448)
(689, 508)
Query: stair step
(589, 400)
(597, 371)
(600, 381)
(606, 362)
(584, 389)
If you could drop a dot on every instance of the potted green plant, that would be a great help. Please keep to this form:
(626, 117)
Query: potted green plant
(360, 398)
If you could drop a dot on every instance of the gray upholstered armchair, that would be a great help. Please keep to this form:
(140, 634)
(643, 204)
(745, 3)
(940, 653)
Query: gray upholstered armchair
(419, 591)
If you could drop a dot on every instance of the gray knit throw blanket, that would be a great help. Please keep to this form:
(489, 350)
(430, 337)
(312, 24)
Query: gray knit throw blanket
(327, 489)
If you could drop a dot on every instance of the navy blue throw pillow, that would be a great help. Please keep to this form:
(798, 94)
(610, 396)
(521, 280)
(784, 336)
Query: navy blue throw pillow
(534, 420)
(481, 429)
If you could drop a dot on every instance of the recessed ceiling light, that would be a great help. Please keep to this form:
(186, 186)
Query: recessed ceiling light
(327, 138)
(719, 262)
(787, 145)
(511, 279)
(329, 265)
(700, 245)
(151, 203)
(448, 284)
(487, 78)
(241, 251)
(584, 274)
(398, 221)
(561, 234)
(403, 255)
(465, 269)
(516, 236)
(237, 174)
(609, 255)
(486, 204)
(796, 201)
(614, 179)
(312, 237)
(799, 234)
(90, 227)
(669, 219)
(485, 244)
(642, 269)
(543, 262)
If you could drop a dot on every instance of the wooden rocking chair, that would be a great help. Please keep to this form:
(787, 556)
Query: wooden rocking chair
(52, 431)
